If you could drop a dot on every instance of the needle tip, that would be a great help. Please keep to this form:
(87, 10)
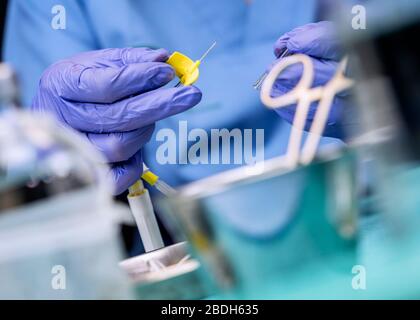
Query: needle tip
(208, 50)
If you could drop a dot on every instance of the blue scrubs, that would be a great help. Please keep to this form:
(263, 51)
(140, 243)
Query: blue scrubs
(245, 32)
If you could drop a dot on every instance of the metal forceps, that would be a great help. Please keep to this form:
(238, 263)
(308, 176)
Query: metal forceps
(257, 85)
(303, 95)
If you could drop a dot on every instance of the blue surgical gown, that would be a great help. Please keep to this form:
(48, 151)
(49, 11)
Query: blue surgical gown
(245, 32)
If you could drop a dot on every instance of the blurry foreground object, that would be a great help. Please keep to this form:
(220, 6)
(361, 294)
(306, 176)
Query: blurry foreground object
(167, 273)
(162, 272)
(58, 236)
(387, 63)
(256, 228)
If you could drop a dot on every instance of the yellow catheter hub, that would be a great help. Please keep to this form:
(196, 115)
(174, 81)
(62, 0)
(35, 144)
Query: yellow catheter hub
(150, 177)
(185, 69)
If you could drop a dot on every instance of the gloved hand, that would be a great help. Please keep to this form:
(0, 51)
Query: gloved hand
(320, 42)
(113, 97)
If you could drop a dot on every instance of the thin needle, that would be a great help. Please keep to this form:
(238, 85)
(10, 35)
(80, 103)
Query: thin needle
(207, 51)
(201, 59)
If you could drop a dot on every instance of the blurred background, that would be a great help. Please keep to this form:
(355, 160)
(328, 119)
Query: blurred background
(343, 225)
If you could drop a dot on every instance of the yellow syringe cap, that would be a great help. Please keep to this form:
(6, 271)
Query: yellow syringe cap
(149, 177)
(185, 68)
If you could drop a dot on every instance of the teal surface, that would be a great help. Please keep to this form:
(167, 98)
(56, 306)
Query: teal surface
(311, 253)
(395, 280)
(388, 248)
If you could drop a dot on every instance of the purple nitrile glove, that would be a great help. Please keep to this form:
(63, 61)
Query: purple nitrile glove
(320, 42)
(113, 97)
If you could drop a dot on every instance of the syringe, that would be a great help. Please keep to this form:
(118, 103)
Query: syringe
(142, 208)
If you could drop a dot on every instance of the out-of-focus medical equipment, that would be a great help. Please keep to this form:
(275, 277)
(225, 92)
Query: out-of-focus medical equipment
(321, 42)
(255, 224)
(185, 68)
(388, 86)
(257, 85)
(142, 209)
(262, 226)
(162, 272)
(167, 273)
(304, 95)
(58, 223)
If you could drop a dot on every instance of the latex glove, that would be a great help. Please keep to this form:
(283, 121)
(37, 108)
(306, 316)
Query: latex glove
(320, 42)
(113, 97)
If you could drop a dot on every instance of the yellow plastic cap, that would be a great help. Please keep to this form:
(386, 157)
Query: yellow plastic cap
(185, 68)
(136, 189)
(150, 177)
